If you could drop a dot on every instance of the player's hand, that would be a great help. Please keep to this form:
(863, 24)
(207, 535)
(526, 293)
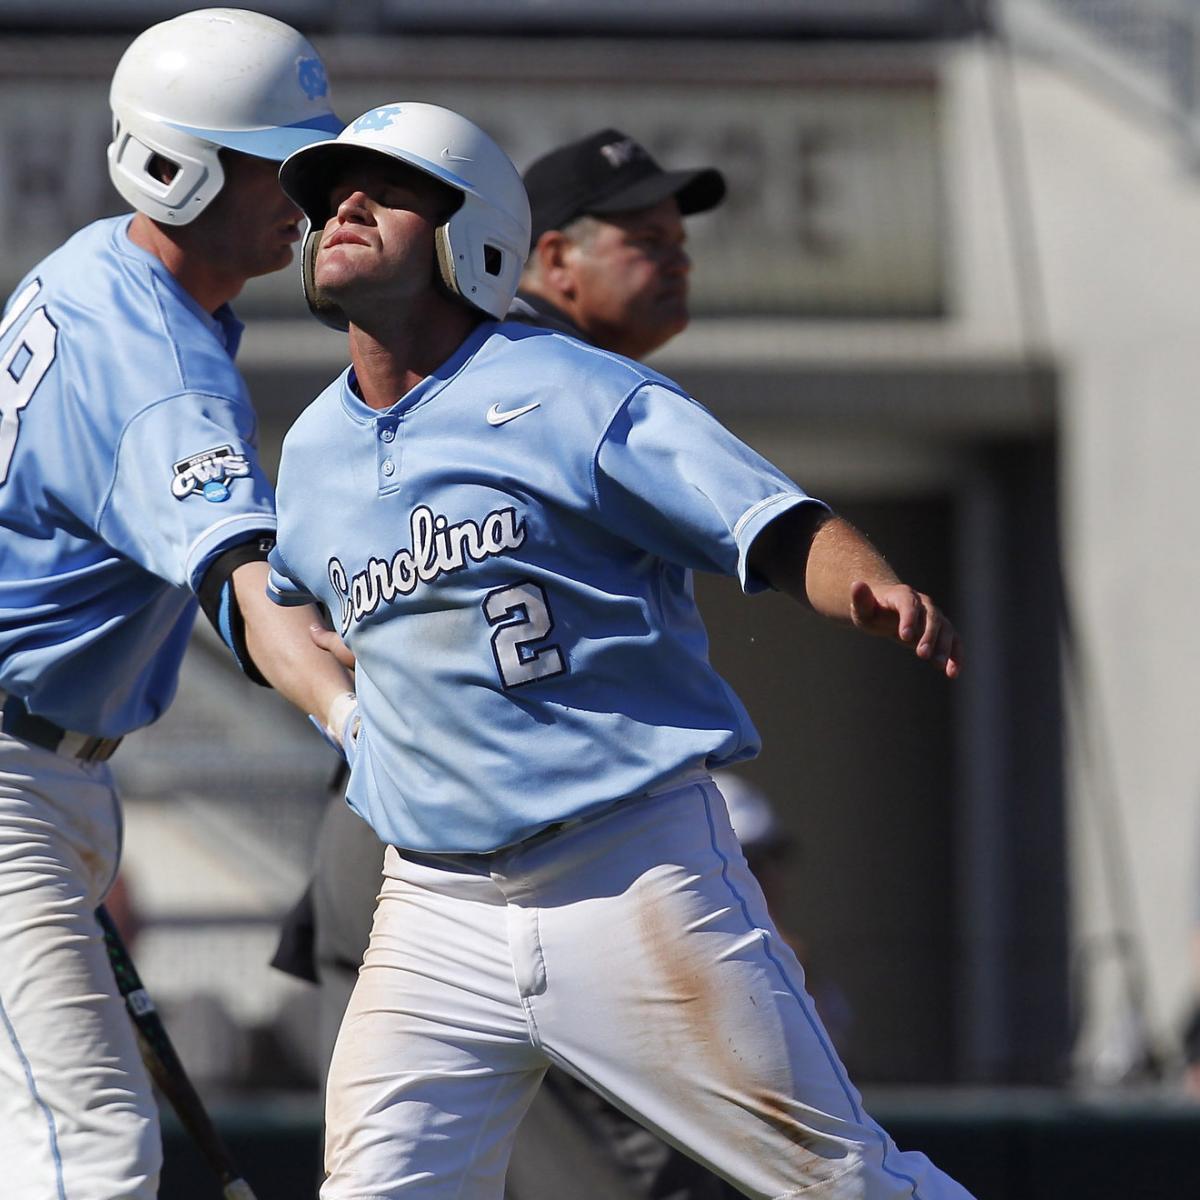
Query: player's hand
(329, 641)
(911, 618)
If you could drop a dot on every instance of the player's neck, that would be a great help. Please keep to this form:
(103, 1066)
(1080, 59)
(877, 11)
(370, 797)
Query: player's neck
(206, 283)
(391, 359)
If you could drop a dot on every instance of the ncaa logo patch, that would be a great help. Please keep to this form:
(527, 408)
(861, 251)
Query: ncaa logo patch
(209, 473)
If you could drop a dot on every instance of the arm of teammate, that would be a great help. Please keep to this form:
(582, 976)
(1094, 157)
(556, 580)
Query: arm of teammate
(825, 563)
(280, 646)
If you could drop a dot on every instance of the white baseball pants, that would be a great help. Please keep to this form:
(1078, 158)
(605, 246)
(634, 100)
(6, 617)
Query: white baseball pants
(634, 950)
(77, 1115)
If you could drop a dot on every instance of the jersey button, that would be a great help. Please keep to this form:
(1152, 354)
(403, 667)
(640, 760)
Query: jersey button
(389, 467)
(388, 434)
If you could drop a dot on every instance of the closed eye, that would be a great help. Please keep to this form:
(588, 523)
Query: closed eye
(394, 197)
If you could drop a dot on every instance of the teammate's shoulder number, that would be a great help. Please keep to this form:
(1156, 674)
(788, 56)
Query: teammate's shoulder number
(23, 364)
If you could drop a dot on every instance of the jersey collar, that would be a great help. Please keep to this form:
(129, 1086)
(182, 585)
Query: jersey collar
(356, 407)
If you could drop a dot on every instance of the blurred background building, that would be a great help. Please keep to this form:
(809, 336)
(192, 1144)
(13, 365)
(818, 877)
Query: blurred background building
(953, 291)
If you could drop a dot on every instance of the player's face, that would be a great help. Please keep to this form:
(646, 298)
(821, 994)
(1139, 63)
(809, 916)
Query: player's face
(630, 275)
(251, 228)
(379, 241)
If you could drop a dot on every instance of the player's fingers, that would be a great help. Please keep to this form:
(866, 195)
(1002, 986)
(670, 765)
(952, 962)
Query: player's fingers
(330, 642)
(937, 633)
(864, 608)
(915, 619)
(954, 658)
(943, 648)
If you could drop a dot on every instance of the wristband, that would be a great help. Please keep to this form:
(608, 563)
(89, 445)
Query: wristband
(340, 729)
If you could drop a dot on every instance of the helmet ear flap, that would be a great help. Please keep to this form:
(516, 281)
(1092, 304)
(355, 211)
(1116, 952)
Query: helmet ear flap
(320, 306)
(477, 260)
(197, 178)
(445, 259)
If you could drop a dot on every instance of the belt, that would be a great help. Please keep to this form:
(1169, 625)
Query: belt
(19, 722)
(682, 777)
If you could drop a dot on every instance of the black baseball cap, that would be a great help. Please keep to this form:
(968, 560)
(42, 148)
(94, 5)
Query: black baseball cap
(609, 172)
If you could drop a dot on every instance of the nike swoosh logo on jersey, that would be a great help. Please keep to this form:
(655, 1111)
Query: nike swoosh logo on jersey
(496, 417)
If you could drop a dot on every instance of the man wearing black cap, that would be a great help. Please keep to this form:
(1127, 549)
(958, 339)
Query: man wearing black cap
(608, 261)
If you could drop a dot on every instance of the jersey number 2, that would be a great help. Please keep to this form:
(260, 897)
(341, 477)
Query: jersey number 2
(522, 615)
(22, 367)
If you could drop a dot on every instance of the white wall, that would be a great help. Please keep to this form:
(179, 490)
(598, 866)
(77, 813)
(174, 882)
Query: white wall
(1117, 228)
(1116, 245)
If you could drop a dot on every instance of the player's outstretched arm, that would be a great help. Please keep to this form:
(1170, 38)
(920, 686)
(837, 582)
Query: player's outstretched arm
(281, 647)
(824, 562)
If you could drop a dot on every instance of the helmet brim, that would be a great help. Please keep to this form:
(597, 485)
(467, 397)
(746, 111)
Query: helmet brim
(275, 142)
(308, 174)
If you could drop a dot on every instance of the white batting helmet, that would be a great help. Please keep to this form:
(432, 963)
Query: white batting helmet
(481, 248)
(213, 78)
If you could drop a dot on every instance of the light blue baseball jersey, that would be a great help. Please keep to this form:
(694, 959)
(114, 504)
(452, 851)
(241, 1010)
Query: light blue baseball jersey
(508, 552)
(127, 461)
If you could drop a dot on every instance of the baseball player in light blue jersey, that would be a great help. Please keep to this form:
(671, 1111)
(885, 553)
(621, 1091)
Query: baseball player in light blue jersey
(503, 522)
(130, 489)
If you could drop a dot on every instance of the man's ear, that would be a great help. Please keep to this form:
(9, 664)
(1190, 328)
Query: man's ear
(554, 260)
